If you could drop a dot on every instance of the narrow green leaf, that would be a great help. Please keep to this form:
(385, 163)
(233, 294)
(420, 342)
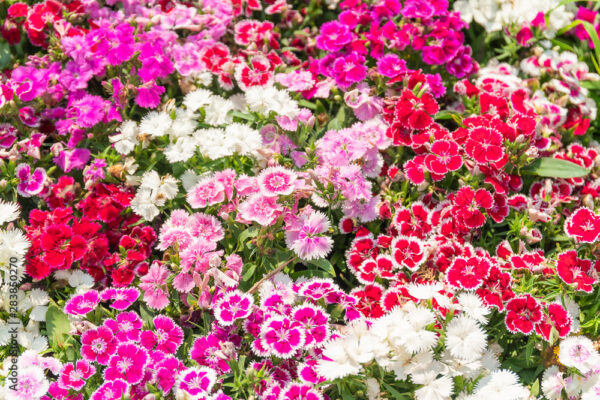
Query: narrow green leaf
(555, 168)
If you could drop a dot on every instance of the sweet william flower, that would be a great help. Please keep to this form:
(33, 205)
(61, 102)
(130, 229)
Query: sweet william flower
(333, 36)
(30, 183)
(306, 235)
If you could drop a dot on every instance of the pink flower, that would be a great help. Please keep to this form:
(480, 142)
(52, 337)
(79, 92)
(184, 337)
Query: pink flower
(233, 305)
(205, 351)
(98, 345)
(276, 181)
(299, 391)
(391, 65)
(260, 208)
(349, 69)
(333, 36)
(305, 235)
(281, 336)
(196, 381)
(206, 192)
(314, 320)
(30, 184)
(122, 298)
(167, 335)
(468, 273)
(126, 327)
(112, 390)
(154, 285)
(72, 377)
(83, 303)
(148, 95)
(128, 364)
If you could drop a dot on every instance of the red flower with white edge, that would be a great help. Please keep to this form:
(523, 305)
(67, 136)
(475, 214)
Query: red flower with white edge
(415, 170)
(408, 252)
(214, 56)
(369, 300)
(250, 32)
(557, 317)
(504, 250)
(500, 209)
(413, 222)
(532, 261)
(395, 297)
(494, 105)
(361, 250)
(258, 73)
(468, 273)
(583, 226)
(575, 271)
(467, 203)
(522, 313)
(484, 145)
(496, 289)
(443, 157)
(233, 305)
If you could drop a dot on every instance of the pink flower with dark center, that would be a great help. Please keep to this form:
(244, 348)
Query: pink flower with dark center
(317, 288)
(128, 364)
(196, 382)
(233, 305)
(83, 303)
(522, 313)
(276, 181)
(98, 345)
(408, 252)
(112, 390)
(314, 321)
(74, 377)
(575, 271)
(468, 273)
(282, 336)
(122, 298)
(583, 225)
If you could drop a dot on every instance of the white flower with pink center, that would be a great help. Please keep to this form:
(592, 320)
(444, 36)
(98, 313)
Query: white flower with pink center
(314, 321)
(578, 352)
(233, 305)
(282, 336)
(195, 382)
(277, 181)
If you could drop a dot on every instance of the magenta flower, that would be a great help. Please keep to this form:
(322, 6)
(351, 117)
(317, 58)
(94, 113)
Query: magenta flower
(167, 336)
(30, 184)
(305, 236)
(74, 377)
(122, 298)
(148, 95)
(297, 391)
(127, 363)
(197, 381)
(126, 327)
(98, 345)
(233, 305)
(112, 390)
(154, 285)
(8, 135)
(391, 65)
(349, 69)
(314, 320)
(204, 351)
(155, 64)
(281, 336)
(83, 303)
(72, 159)
(89, 110)
(333, 36)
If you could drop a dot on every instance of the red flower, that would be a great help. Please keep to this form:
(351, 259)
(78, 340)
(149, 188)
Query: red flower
(415, 170)
(496, 290)
(532, 261)
(467, 204)
(484, 145)
(522, 313)
(556, 317)
(575, 271)
(443, 158)
(369, 300)
(414, 222)
(468, 273)
(258, 73)
(410, 111)
(60, 247)
(408, 252)
(500, 209)
(583, 225)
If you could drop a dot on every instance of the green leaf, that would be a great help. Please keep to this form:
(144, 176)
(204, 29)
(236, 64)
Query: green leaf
(249, 271)
(4, 55)
(338, 121)
(555, 168)
(397, 395)
(535, 388)
(57, 325)
(324, 265)
(247, 234)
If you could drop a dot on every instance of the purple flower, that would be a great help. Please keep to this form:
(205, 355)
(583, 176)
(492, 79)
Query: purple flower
(334, 36)
(72, 159)
(95, 172)
(350, 69)
(30, 183)
(89, 110)
(391, 65)
(155, 64)
(8, 135)
(463, 64)
(148, 96)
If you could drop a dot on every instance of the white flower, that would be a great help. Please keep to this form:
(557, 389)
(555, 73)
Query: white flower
(578, 352)
(410, 331)
(373, 390)
(81, 281)
(340, 365)
(9, 211)
(435, 388)
(15, 242)
(212, 143)
(501, 384)
(155, 124)
(553, 383)
(460, 367)
(127, 139)
(189, 179)
(464, 338)
(472, 306)
(427, 291)
(182, 126)
(182, 150)
(242, 139)
(217, 111)
(197, 99)
(260, 99)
